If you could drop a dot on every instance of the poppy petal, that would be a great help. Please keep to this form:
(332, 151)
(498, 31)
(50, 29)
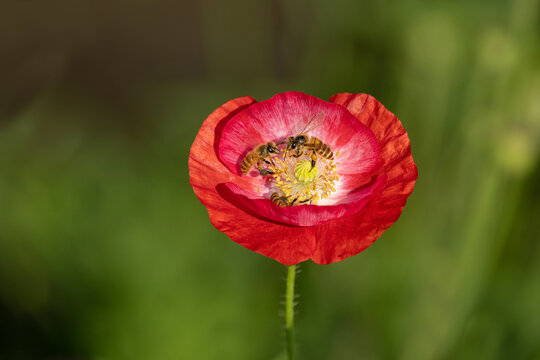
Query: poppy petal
(207, 173)
(384, 209)
(287, 115)
(307, 215)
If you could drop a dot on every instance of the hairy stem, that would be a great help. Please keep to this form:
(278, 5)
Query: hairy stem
(289, 311)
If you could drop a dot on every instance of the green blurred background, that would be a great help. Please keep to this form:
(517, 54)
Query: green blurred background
(106, 253)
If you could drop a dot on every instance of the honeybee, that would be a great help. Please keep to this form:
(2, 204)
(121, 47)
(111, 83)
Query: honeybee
(261, 153)
(296, 144)
(283, 200)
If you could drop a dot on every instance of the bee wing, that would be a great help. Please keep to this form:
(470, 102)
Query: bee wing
(314, 122)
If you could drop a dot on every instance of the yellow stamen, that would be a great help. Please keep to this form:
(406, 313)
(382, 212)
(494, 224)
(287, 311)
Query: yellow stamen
(298, 177)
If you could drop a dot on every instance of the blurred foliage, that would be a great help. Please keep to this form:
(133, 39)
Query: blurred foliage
(106, 253)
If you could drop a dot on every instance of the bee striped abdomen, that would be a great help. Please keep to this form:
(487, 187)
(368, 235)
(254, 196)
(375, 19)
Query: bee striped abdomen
(279, 200)
(248, 162)
(321, 148)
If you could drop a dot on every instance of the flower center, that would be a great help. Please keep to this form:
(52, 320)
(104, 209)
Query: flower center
(302, 176)
(305, 172)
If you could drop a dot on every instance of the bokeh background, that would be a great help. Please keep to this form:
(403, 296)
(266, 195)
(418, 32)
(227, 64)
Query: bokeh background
(106, 253)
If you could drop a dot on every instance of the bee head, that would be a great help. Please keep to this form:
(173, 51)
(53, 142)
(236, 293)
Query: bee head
(271, 147)
(290, 142)
(298, 140)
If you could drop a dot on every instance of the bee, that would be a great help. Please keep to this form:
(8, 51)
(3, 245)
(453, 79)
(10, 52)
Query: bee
(280, 200)
(298, 143)
(283, 200)
(261, 153)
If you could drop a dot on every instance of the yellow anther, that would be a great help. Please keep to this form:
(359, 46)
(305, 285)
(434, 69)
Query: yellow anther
(297, 176)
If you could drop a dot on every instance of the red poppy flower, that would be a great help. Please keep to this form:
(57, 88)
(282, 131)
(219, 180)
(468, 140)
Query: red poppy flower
(325, 196)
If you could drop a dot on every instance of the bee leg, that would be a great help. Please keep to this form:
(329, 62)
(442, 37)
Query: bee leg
(304, 201)
(292, 202)
(313, 159)
(265, 172)
(298, 153)
(271, 162)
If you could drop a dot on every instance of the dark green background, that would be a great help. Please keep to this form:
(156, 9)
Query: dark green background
(106, 253)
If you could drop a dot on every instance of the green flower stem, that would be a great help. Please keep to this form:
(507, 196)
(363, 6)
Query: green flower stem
(289, 311)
